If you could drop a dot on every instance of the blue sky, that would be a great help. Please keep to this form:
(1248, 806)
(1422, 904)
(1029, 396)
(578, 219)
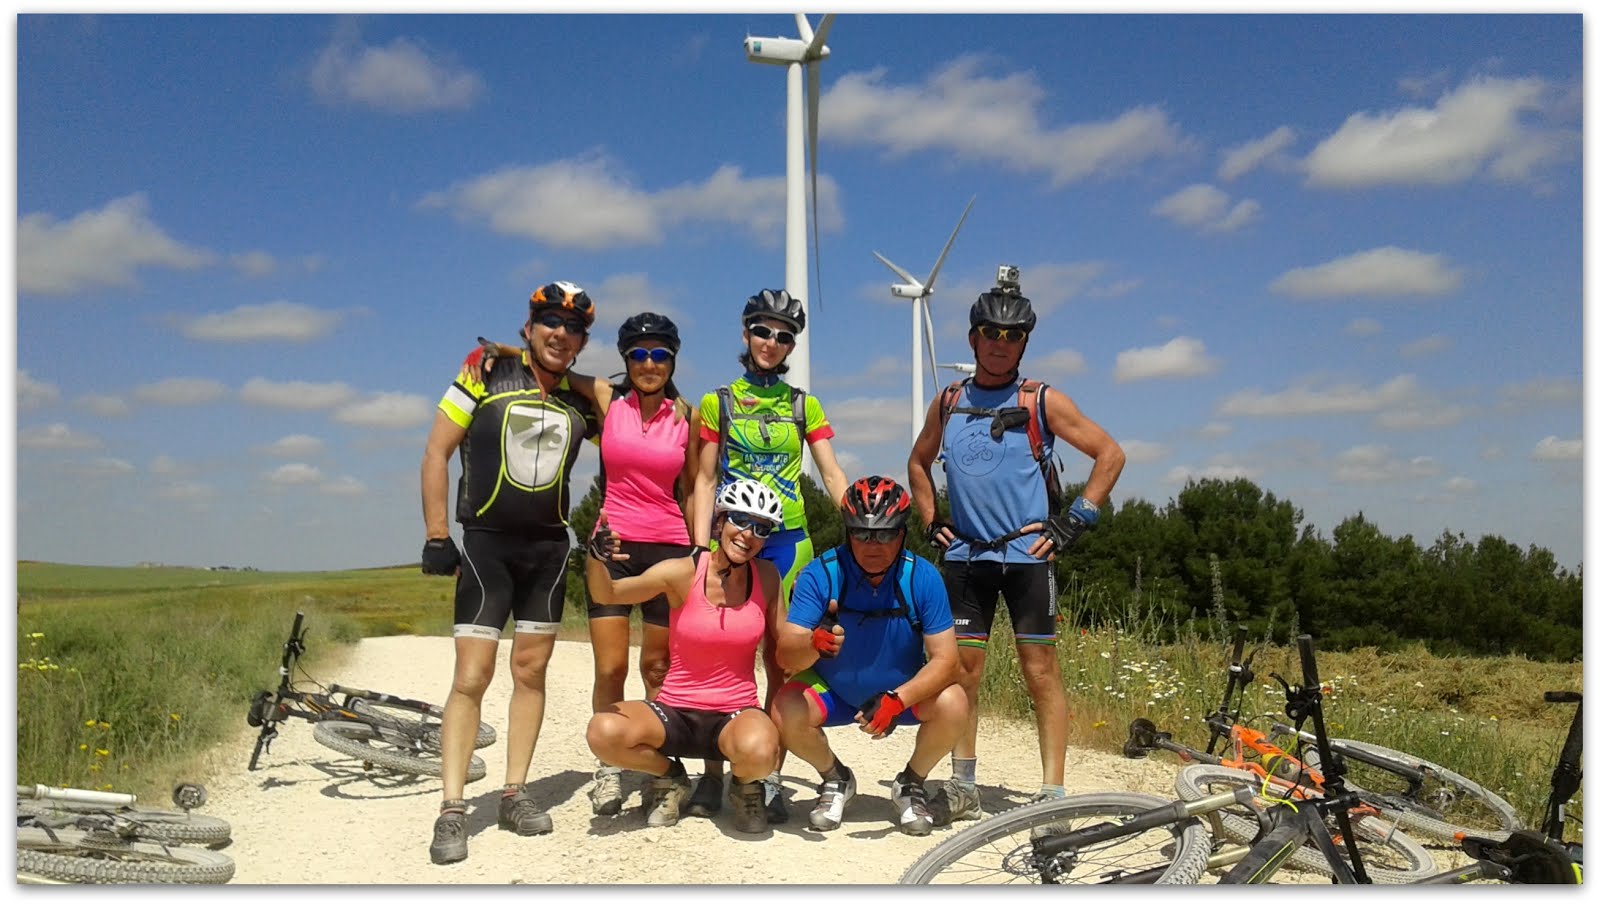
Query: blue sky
(1338, 255)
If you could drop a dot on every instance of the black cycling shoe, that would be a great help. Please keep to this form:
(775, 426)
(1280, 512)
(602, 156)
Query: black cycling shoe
(707, 798)
(777, 810)
(449, 838)
(519, 814)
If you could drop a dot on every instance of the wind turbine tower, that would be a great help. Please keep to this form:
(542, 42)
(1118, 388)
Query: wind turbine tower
(799, 54)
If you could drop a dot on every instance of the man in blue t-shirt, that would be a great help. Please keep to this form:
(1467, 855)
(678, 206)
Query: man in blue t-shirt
(869, 640)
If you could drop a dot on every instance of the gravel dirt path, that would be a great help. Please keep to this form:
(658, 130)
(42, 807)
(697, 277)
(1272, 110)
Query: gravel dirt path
(311, 815)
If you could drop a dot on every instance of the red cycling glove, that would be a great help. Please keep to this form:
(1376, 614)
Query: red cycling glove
(825, 641)
(883, 712)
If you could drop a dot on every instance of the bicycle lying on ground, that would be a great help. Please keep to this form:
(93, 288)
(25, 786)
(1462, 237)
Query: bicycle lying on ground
(86, 836)
(1132, 838)
(380, 730)
(1414, 793)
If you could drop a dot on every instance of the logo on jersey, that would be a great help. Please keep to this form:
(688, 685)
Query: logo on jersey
(536, 438)
(973, 451)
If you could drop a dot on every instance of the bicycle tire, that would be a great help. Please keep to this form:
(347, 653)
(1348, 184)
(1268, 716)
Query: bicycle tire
(371, 746)
(1179, 849)
(1388, 855)
(427, 721)
(72, 856)
(1450, 803)
(157, 826)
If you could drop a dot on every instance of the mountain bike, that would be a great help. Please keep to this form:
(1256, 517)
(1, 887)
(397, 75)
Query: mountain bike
(85, 836)
(1132, 838)
(380, 730)
(1414, 793)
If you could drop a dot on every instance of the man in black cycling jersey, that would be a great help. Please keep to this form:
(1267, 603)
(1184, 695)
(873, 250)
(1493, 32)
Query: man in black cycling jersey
(996, 433)
(518, 426)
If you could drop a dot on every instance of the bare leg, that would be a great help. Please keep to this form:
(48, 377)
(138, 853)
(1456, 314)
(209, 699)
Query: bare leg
(629, 735)
(1042, 673)
(972, 660)
(653, 659)
(463, 709)
(608, 639)
(530, 655)
(799, 723)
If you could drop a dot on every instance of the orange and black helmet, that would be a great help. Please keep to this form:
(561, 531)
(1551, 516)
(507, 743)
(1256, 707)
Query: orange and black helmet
(876, 502)
(562, 294)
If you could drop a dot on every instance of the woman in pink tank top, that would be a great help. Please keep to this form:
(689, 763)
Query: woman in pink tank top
(646, 455)
(724, 606)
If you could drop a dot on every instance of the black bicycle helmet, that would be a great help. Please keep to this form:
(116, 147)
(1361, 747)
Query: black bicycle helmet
(876, 502)
(777, 304)
(562, 294)
(1003, 310)
(647, 325)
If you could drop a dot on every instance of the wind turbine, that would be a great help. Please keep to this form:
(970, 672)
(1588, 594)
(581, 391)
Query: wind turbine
(922, 321)
(797, 54)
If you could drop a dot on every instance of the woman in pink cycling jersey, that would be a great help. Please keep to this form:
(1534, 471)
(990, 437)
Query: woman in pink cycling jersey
(648, 453)
(724, 604)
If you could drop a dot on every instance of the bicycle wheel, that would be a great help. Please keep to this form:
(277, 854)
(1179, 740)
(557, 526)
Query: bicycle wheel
(1447, 804)
(1389, 855)
(158, 826)
(396, 751)
(425, 722)
(1001, 849)
(76, 856)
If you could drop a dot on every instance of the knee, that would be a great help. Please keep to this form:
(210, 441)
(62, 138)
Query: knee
(529, 673)
(653, 669)
(948, 706)
(756, 750)
(790, 710)
(610, 672)
(606, 733)
(1039, 667)
(969, 675)
(471, 681)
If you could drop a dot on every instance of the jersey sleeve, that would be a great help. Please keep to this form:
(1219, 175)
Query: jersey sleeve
(933, 601)
(808, 598)
(710, 415)
(466, 391)
(817, 426)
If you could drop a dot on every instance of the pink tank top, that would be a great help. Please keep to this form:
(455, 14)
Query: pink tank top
(642, 462)
(712, 649)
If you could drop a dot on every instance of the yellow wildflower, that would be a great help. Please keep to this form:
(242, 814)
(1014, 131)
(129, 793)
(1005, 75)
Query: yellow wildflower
(83, 747)
(90, 724)
(104, 725)
(101, 752)
(94, 768)
(174, 717)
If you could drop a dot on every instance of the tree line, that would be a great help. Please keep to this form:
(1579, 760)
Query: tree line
(1225, 553)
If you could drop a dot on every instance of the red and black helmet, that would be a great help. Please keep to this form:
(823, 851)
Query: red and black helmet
(562, 294)
(876, 502)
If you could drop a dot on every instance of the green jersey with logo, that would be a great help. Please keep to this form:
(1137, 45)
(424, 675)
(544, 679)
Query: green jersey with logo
(765, 440)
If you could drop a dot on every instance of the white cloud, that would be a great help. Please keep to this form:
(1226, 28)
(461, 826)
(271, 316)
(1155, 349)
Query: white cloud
(1307, 399)
(1424, 414)
(866, 421)
(1554, 449)
(55, 436)
(294, 473)
(1113, 290)
(1144, 451)
(1478, 128)
(1541, 391)
(881, 368)
(105, 468)
(253, 263)
(986, 119)
(298, 395)
(1215, 429)
(106, 406)
(180, 391)
(1375, 464)
(403, 77)
(1221, 471)
(389, 410)
(621, 296)
(1206, 208)
(294, 446)
(1387, 271)
(1182, 356)
(165, 465)
(1057, 364)
(97, 249)
(344, 486)
(273, 321)
(32, 393)
(1461, 485)
(1363, 327)
(1241, 159)
(1427, 345)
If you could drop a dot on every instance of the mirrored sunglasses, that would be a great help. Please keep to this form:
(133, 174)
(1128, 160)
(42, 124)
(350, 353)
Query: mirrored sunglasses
(745, 522)
(876, 535)
(762, 331)
(659, 355)
(1004, 334)
(553, 321)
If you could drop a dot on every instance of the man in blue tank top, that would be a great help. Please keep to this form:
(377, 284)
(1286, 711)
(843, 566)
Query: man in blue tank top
(869, 640)
(997, 433)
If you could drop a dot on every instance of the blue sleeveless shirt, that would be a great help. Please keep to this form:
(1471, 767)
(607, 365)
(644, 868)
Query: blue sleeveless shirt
(995, 486)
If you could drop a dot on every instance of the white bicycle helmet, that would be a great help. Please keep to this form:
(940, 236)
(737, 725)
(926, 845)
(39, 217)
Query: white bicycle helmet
(752, 498)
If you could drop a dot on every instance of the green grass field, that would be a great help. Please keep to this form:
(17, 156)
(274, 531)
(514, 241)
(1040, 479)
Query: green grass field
(128, 676)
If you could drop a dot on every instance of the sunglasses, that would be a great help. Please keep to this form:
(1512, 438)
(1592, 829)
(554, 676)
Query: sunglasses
(1004, 334)
(756, 526)
(639, 354)
(553, 321)
(876, 535)
(762, 331)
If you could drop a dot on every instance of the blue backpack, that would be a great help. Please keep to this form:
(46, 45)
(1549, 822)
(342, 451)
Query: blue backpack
(904, 604)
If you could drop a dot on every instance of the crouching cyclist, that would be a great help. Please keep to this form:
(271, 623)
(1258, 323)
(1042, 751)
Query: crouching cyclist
(870, 640)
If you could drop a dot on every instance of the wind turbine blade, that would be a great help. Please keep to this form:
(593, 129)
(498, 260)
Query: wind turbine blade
(927, 329)
(897, 270)
(949, 242)
(813, 90)
(820, 38)
(803, 25)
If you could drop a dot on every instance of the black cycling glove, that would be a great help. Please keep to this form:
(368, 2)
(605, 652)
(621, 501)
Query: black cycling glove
(440, 556)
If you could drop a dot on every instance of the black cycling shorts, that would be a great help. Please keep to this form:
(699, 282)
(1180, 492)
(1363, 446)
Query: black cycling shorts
(692, 733)
(975, 588)
(511, 575)
(641, 556)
